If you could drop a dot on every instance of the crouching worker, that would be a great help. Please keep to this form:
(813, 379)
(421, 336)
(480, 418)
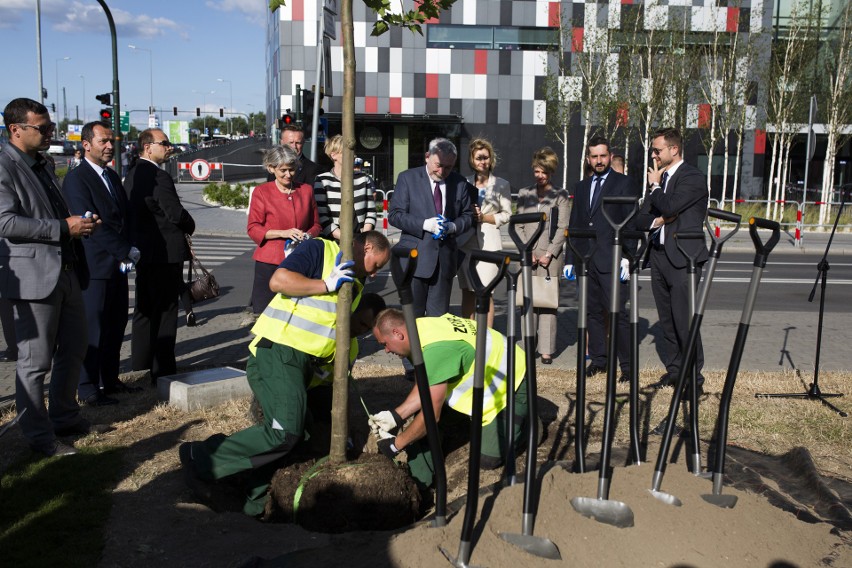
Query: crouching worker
(449, 351)
(294, 332)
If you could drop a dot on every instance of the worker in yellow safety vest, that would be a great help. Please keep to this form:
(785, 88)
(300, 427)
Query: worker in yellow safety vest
(449, 352)
(294, 333)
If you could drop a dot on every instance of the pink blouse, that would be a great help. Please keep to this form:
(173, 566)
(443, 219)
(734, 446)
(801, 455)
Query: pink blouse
(271, 209)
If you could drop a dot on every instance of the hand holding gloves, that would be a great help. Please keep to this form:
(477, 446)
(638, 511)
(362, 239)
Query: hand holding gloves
(339, 274)
(568, 272)
(625, 270)
(385, 421)
(439, 226)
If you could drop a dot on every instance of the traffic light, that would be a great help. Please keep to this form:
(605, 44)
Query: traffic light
(307, 111)
(105, 99)
(53, 107)
(286, 119)
(221, 112)
(106, 114)
(197, 111)
(174, 110)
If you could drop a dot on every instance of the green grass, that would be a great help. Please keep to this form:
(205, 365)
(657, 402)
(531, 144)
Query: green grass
(54, 511)
(811, 216)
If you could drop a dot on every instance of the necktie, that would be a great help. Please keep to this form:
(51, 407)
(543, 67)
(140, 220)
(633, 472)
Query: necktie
(661, 235)
(110, 188)
(663, 181)
(596, 188)
(439, 202)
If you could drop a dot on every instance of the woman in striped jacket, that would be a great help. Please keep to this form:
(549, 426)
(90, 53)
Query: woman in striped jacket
(327, 194)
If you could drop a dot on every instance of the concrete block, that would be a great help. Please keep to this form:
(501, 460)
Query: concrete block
(203, 389)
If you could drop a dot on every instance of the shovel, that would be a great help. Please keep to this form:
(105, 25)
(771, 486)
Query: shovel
(402, 278)
(635, 259)
(762, 251)
(11, 423)
(537, 546)
(581, 263)
(692, 272)
(509, 475)
(483, 302)
(688, 355)
(602, 509)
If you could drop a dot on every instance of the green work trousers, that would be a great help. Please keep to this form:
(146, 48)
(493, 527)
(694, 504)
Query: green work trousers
(277, 374)
(493, 437)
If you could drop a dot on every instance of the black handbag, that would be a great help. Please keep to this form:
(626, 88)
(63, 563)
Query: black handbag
(201, 282)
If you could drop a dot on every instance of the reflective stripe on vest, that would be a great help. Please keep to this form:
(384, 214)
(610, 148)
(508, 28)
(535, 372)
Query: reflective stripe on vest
(324, 373)
(460, 397)
(305, 323)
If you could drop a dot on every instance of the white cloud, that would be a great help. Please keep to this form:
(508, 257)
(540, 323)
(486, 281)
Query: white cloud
(254, 10)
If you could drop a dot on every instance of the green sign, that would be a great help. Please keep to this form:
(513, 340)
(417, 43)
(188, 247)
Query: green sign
(124, 123)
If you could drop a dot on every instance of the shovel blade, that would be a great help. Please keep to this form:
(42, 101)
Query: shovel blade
(605, 511)
(457, 562)
(666, 498)
(535, 545)
(724, 501)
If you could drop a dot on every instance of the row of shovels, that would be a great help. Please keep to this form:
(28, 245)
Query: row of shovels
(600, 507)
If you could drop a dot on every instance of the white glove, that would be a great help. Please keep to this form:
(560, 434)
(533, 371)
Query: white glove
(385, 421)
(433, 225)
(625, 270)
(339, 274)
(383, 435)
(568, 272)
(134, 255)
(448, 226)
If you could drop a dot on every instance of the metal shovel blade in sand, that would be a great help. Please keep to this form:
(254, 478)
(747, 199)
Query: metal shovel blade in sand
(11, 423)
(762, 251)
(688, 354)
(483, 339)
(537, 546)
(602, 508)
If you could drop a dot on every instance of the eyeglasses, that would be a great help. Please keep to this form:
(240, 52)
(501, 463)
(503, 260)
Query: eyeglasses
(656, 151)
(163, 143)
(43, 129)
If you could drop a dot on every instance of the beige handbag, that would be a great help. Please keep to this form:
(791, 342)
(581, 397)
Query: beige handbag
(545, 292)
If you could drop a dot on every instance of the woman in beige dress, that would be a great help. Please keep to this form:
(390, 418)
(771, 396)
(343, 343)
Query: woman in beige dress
(491, 209)
(547, 252)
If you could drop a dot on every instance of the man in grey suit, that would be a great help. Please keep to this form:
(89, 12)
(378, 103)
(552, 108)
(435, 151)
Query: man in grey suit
(92, 186)
(431, 205)
(676, 202)
(587, 213)
(42, 269)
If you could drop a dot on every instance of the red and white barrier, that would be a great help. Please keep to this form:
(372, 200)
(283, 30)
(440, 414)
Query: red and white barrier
(385, 217)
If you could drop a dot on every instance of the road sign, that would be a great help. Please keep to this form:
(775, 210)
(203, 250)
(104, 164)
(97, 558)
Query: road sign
(75, 132)
(124, 123)
(199, 170)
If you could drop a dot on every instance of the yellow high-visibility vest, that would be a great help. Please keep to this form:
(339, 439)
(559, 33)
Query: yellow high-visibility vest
(324, 372)
(460, 397)
(305, 323)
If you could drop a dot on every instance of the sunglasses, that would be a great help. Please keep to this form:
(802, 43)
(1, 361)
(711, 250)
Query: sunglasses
(43, 129)
(163, 143)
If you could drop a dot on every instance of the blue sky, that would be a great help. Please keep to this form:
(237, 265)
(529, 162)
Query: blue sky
(192, 43)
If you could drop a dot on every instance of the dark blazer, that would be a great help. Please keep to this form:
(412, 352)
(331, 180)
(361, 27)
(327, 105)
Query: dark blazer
(685, 199)
(584, 216)
(306, 171)
(412, 204)
(158, 221)
(85, 191)
(30, 251)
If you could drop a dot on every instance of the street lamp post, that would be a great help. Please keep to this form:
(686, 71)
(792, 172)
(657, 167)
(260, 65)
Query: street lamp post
(231, 100)
(150, 71)
(252, 116)
(83, 77)
(56, 97)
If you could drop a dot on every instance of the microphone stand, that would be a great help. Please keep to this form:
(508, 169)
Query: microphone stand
(814, 392)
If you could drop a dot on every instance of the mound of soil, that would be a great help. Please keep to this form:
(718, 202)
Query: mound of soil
(370, 493)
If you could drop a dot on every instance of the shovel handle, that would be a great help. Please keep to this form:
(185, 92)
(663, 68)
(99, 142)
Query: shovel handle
(635, 256)
(483, 291)
(581, 261)
(762, 249)
(736, 218)
(724, 215)
(525, 247)
(402, 275)
(689, 236)
(620, 200)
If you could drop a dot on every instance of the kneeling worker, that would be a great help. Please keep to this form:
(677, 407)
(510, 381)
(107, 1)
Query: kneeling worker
(294, 332)
(449, 352)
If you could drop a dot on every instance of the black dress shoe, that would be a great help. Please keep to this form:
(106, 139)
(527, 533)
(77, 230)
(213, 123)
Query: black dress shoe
(593, 370)
(8, 357)
(121, 387)
(98, 399)
(190, 320)
(624, 378)
(546, 360)
(667, 380)
(56, 448)
(82, 428)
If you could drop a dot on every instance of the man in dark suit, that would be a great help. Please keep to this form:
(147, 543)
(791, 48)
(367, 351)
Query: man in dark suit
(431, 205)
(306, 169)
(158, 227)
(42, 269)
(676, 202)
(587, 213)
(92, 186)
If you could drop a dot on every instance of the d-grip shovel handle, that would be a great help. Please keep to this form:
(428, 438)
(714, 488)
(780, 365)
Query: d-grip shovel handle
(584, 259)
(483, 291)
(635, 258)
(716, 249)
(402, 276)
(689, 236)
(762, 249)
(620, 200)
(525, 247)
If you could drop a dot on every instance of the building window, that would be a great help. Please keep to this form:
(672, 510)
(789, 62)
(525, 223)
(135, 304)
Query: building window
(491, 37)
